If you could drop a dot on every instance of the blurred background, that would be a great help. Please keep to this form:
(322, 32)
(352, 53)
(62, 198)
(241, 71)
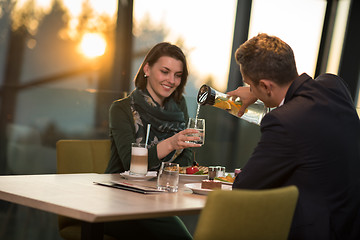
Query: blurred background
(63, 62)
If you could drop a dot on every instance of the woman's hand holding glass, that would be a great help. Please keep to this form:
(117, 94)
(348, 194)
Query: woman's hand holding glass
(179, 141)
(189, 137)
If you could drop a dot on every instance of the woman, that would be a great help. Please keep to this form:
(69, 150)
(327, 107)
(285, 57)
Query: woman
(157, 100)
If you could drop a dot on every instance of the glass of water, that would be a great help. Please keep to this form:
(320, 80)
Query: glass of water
(168, 177)
(198, 124)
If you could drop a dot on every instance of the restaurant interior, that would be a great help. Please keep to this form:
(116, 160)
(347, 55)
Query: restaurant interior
(62, 64)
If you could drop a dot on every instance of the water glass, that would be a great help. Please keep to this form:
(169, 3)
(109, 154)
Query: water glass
(168, 177)
(198, 124)
(139, 159)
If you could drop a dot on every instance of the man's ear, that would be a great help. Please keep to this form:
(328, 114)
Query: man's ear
(266, 86)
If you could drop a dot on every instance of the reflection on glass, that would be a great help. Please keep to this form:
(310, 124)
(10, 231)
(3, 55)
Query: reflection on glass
(338, 36)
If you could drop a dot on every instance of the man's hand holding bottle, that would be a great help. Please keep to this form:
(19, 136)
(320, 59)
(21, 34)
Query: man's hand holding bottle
(246, 96)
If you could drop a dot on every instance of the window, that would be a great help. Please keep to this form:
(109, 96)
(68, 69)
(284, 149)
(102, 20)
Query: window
(297, 22)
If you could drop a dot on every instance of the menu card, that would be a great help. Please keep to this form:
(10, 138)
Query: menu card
(130, 187)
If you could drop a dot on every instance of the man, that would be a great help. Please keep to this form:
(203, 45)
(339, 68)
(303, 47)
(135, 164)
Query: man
(310, 140)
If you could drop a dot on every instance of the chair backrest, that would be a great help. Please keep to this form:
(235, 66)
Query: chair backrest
(247, 214)
(82, 156)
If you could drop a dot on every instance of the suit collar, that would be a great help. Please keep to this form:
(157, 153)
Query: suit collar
(295, 85)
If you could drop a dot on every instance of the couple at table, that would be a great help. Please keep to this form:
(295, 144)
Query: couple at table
(310, 140)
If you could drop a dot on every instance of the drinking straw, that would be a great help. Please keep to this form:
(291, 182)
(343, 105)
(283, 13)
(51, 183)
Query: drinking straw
(147, 134)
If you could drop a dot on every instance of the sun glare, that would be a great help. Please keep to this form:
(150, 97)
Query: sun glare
(92, 45)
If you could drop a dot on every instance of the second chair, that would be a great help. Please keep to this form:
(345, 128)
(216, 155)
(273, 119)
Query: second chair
(247, 214)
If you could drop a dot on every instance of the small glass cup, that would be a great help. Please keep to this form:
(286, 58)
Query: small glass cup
(139, 159)
(212, 171)
(220, 171)
(198, 124)
(168, 177)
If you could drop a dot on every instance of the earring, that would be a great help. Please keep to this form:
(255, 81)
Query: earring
(145, 76)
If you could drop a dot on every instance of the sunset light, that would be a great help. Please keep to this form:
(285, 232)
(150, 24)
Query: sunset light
(92, 45)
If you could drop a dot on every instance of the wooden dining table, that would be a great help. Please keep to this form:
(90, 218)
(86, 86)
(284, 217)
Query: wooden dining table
(77, 196)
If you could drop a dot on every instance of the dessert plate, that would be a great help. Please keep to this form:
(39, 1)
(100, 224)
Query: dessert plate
(196, 188)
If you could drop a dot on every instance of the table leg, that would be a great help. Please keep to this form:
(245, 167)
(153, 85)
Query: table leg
(92, 231)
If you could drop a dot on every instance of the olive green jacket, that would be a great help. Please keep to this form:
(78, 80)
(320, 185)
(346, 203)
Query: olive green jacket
(122, 134)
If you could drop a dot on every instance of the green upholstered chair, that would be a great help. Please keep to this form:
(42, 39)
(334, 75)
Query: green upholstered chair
(247, 214)
(80, 156)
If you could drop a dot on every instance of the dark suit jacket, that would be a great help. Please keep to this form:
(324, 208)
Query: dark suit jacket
(312, 141)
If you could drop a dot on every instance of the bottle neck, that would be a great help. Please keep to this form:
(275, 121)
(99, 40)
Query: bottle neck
(206, 95)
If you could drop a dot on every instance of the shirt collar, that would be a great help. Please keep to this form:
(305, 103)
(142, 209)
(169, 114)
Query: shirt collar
(282, 102)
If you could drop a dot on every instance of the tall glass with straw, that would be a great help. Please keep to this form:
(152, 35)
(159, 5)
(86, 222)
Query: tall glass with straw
(139, 157)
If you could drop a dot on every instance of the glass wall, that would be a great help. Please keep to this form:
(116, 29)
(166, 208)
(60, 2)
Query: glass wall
(51, 73)
(55, 67)
(50, 78)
